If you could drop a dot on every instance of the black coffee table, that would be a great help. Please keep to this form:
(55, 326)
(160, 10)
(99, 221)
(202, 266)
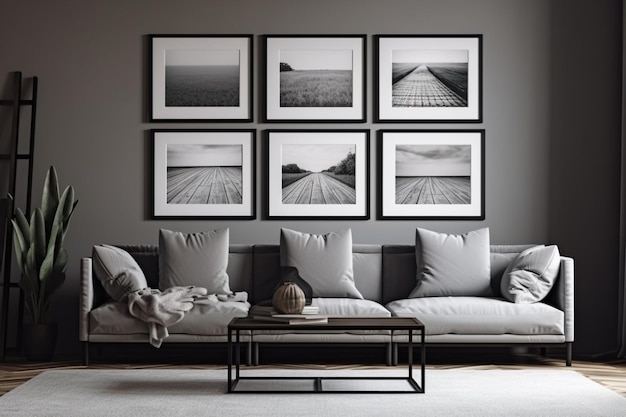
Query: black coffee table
(392, 324)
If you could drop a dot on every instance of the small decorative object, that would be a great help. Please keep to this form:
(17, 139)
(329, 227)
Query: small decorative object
(290, 273)
(42, 258)
(289, 298)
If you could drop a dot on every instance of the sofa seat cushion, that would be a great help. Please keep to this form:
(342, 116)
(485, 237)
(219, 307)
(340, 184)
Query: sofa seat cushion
(335, 307)
(349, 307)
(480, 315)
(204, 319)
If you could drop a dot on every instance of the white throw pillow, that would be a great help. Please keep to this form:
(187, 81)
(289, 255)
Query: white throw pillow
(531, 275)
(117, 271)
(457, 265)
(196, 259)
(324, 261)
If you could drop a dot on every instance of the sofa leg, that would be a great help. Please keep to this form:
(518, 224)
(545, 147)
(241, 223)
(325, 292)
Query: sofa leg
(86, 353)
(568, 353)
(389, 352)
(249, 353)
(394, 354)
(255, 354)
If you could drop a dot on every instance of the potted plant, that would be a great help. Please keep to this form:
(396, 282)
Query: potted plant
(42, 259)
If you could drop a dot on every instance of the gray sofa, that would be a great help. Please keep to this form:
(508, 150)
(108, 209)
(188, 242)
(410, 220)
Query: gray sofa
(385, 276)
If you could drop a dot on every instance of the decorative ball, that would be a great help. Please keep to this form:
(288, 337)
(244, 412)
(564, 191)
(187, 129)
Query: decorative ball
(288, 298)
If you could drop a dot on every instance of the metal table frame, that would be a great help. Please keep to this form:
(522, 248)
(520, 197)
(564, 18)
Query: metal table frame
(393, 324)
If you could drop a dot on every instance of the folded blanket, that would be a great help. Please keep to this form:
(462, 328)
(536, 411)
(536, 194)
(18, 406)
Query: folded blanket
(160, 309)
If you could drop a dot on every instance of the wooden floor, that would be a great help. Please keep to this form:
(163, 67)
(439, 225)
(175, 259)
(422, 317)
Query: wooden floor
(204, 185)
(318, 188)
(433, 190)
(610, 374)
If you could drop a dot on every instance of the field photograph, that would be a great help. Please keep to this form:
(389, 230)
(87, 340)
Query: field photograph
(318, 174)
(429, 78)
(316, 78)
(202, 78)
(204, 174)
(433, 174)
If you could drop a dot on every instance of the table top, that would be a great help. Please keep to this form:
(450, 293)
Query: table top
(334, 323)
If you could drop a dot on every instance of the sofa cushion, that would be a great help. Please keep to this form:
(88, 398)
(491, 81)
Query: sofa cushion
(324, 261)
(480, 315)
(350, 307)
(117, 271)
(530, 277)
(204, 319)
(452, 264)
(194, 259)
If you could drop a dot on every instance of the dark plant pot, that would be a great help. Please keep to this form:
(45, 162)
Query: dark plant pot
(39, 341)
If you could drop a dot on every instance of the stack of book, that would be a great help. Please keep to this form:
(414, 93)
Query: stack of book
(310, 315)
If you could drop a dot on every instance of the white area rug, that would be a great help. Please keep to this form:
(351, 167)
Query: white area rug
(480, 393)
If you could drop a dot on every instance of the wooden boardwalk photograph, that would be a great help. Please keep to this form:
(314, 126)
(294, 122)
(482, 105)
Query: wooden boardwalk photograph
(429, 78)
(204, 174)
(318, 174)
(433, 174)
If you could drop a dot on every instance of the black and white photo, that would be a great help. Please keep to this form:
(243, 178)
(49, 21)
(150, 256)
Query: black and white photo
(201, 78)
(429, 78)
(318, 174)
(431, 174)
(315, 78)
(204, 173)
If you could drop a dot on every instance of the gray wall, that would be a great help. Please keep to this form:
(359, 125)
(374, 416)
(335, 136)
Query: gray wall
(544, 181)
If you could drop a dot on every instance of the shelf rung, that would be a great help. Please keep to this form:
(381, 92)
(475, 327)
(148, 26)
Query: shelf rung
(22, 102)
(19, 156)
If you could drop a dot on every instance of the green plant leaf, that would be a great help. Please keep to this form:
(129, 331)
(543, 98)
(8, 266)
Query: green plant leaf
(50, 198)
(38, 237)
(22, 224)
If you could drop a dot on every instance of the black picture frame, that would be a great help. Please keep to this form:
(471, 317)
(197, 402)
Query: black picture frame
(428, 78)
(332, 69)
(204, 174)
(201, 78)
(431, 174)
(335, 161)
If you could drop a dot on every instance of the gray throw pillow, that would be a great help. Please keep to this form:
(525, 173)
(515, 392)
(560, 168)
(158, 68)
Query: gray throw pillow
(194, 259)
(531, 275)
(117, 271)
(452, 265)
(324, 261)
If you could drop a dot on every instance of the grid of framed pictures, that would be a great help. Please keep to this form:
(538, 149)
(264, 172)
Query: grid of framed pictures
(322, 173)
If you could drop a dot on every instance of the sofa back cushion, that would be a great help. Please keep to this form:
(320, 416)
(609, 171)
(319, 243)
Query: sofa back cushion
(367, 265)
(399, 268)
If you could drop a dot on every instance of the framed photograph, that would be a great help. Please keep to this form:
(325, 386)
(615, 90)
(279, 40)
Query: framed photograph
(201, 78)
(431, 174)
(321, 174)
(204, 174)
(315, 78)
(423, 78)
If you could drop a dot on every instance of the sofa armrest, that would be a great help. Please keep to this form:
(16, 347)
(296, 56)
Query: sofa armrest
(563, 295)
(86, 298)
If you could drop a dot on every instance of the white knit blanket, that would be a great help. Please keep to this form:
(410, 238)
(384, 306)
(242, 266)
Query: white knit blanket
(160, 309)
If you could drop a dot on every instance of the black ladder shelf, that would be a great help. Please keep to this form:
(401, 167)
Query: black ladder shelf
(6, 203)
